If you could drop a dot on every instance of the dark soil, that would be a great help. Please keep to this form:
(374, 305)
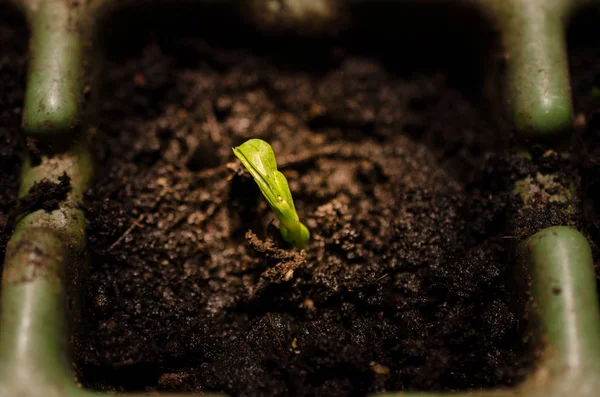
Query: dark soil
(13, 66)
(585, 75)
(407, 283)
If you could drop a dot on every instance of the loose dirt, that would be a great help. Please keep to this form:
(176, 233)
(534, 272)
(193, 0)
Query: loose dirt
(408, 282)
(13, 66)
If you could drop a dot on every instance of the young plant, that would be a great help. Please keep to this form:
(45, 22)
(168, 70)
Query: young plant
(258, 158)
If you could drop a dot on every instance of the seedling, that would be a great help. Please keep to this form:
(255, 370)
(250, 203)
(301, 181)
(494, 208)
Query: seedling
(258, 158)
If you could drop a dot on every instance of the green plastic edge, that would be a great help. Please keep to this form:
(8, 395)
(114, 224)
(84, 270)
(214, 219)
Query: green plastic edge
(537, 97)
(556, 265)
(54, 96)
(44, 259)
(564, 299)
(538, 91)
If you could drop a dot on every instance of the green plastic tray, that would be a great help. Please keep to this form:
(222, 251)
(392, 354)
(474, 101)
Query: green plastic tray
(45, 258)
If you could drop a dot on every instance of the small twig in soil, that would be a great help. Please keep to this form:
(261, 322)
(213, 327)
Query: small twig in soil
(289, 161)
(179, 219)
(211, 120)
(381, 278)
(307, 156)
(211, 172)
(134, 224)
(211, 211)
(275, 331)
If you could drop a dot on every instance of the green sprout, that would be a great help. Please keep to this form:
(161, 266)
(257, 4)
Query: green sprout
(258, 158)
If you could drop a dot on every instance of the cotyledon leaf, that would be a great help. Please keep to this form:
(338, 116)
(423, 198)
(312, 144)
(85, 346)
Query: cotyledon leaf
(259, 159)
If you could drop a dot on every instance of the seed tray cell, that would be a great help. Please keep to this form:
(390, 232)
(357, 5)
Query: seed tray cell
(45, 260)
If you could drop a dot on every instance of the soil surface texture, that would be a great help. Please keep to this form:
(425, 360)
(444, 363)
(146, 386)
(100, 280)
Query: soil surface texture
(401, 179)
(394, 167)
(13, 66)
(584, 47)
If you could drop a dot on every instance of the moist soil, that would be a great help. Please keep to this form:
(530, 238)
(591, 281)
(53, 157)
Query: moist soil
(13, 66)
(407, 283)
(585, 76)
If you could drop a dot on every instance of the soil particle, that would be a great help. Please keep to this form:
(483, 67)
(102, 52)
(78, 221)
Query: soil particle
(45, 195)
(13, 44)
(406, 284)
